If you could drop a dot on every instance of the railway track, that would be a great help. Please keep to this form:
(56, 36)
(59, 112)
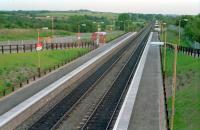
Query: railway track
(53, 118)
(104, 113)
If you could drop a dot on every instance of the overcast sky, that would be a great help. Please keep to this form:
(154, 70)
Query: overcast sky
(133, 6)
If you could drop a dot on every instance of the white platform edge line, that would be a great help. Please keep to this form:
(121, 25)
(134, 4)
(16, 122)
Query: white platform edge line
(11, 114)
(125, 113)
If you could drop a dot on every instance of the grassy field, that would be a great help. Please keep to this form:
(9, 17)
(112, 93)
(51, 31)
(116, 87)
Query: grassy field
(31, 34)
(187, 104)
(79, 13)
(26, 34)
(15, 68)
(112, 35)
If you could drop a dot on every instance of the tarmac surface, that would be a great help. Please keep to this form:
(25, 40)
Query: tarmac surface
(148, 110)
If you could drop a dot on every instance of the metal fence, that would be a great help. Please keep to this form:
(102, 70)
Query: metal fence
(34, 76)
(187, 50)
(46, 46)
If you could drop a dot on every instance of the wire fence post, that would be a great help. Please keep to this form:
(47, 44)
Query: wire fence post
(2, 49)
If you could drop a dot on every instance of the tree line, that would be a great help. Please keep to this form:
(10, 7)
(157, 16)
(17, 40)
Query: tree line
(86, 23)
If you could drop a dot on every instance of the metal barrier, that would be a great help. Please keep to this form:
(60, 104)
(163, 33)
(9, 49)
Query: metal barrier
(46, 46)
(186, 50)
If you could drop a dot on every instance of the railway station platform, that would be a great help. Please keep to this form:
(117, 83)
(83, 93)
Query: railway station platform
(143, 108)
(23, 103)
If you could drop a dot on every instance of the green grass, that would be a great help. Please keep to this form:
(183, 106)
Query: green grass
(15, 68)
(112, 35)
(26, 34)
(185, 63)
(187, 104)
(82, 13)
(31, 34)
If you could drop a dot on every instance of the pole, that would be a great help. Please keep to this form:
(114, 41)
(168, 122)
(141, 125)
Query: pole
(165, 44)
(113, 25)
(179, 32)
(52, 26)
(78, 28)
(174, 87)
(162, 29)
(39, 64)
(78, 38)
(98, 29)
(124, 26)
(128, 27)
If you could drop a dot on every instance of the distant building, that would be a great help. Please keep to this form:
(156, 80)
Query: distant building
(45, 28)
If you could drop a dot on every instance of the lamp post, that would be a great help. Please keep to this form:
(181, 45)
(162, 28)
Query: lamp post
(165, 42)
(164, 69)
(79, 28)
(120, 25)
(52, 25)
(174, 87)
(113, 24)
(51, 18)
(179, 30)
(95, 26)
(162, 31)
(98, 30)
(125, 25)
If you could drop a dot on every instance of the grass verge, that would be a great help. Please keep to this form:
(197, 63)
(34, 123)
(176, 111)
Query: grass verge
(187, 104)
(16, 68)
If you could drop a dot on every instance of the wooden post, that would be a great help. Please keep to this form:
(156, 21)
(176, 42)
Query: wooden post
(13, 88)
(20, 85)
(174, 87)
(17, 48)
(4, 92)
(31, 47)
(24, 48)
(39, 72)
(65, 45)
(27, 81)
(164, 63)
(34, 77)
(35, 46)
(52, 46)
(2, 49)
(39, 62)
(164, 80)
(10, 48)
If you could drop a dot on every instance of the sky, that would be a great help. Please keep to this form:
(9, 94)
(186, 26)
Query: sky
(118, 6)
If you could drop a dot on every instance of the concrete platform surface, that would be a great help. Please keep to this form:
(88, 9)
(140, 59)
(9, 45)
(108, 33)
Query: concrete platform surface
(148, 111)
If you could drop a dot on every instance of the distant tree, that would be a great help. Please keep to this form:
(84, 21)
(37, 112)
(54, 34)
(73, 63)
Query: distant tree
(192, 28)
